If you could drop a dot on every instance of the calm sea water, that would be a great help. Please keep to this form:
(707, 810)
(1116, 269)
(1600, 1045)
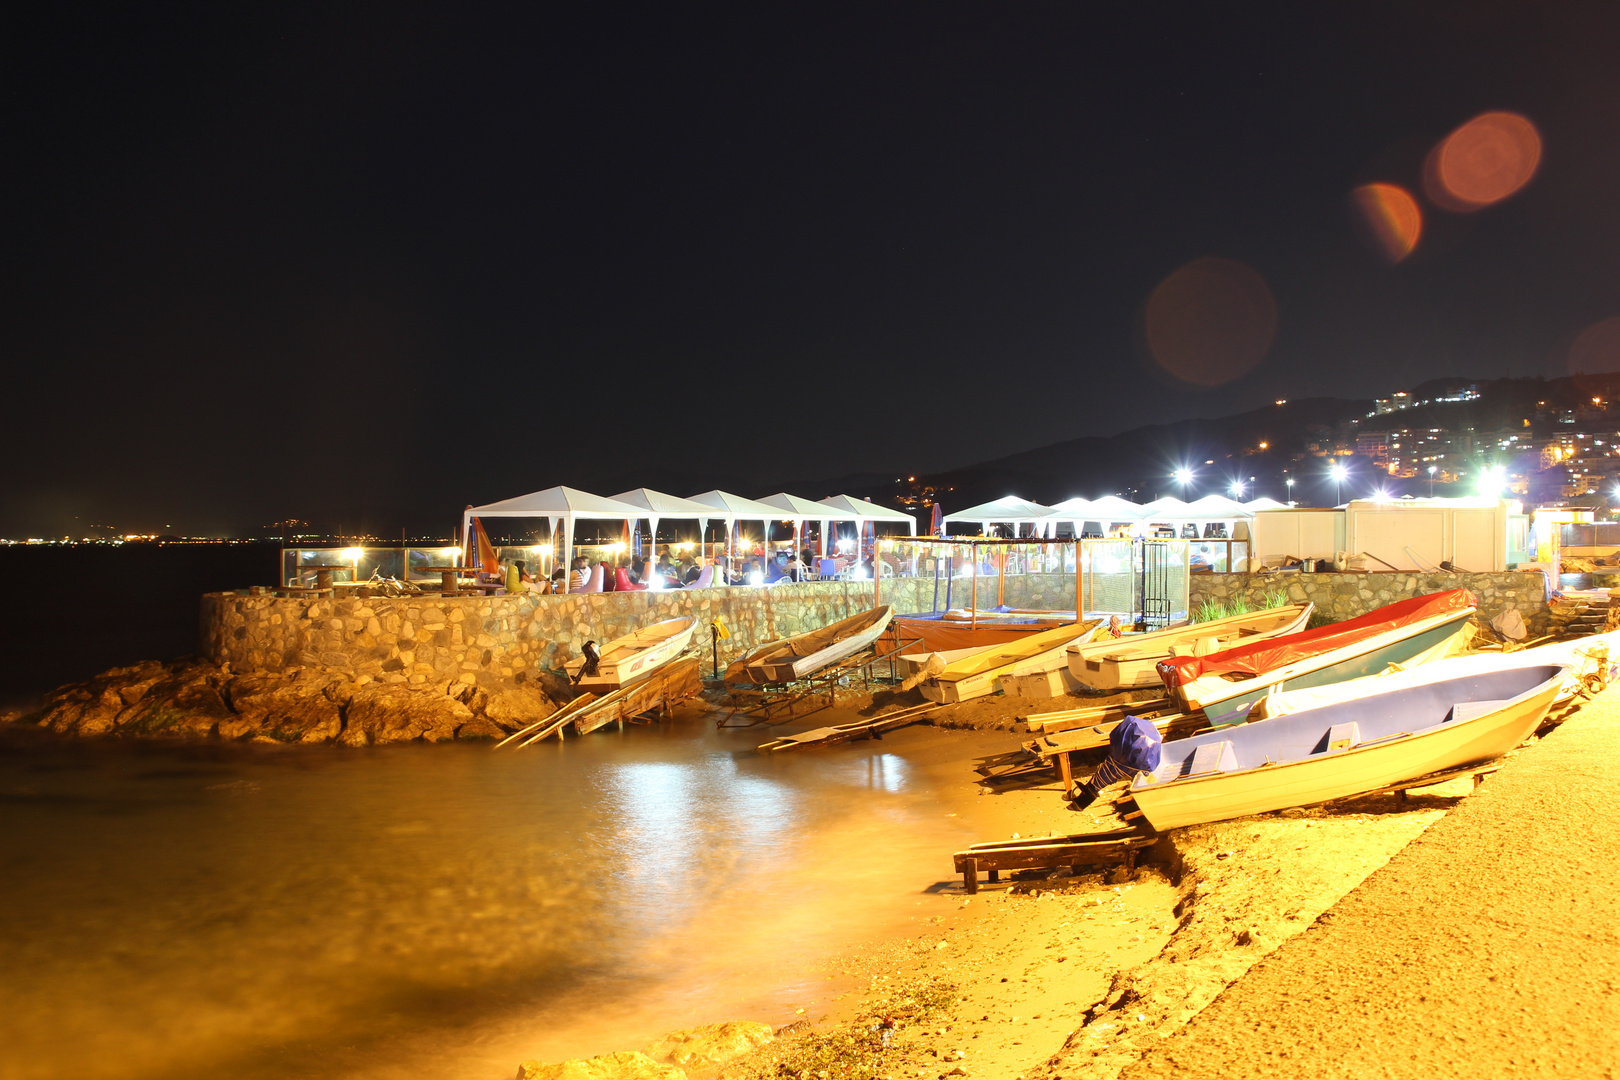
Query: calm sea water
(441, 911)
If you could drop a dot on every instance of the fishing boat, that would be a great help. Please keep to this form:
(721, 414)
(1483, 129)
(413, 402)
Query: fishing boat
(1225, 685)
(1591, 663)
(917, 663)
(1347, 748)
(1130, 662)
(977, 675)
(787, 659)
(633, 657)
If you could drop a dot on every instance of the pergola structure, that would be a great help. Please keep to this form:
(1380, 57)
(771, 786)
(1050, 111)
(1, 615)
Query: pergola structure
(802, 510)
(658, 506)
(731, 508)
(861, 511)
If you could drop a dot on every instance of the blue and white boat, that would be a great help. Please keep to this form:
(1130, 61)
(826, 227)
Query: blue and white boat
(1347, 748)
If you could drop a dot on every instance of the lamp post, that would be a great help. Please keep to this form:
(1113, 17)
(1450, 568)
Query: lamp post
(1290, 483)
(1236, 489)
(1183, 476)
(1431, 481)
(1336, 471)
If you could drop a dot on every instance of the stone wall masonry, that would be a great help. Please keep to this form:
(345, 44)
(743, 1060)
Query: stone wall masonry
(1344, 596)
(434, 639)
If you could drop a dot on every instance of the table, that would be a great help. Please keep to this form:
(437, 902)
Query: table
(448, 575)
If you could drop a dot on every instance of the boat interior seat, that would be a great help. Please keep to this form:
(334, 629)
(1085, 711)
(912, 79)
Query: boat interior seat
(1211, 758)
(1339, 737)
(1472, 710)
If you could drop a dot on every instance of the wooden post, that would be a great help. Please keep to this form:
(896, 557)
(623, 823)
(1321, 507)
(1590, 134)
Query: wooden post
(877, 570)
(970, 875)
(1079, 607)
(973, 617)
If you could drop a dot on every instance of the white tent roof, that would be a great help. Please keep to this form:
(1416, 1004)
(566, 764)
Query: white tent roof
(854, 509)
(798, 506)
(1264, 503)
(1071, 509)
(558, 502)
(1114, 508)
(664, 505)
(1217, 506)
(1009, 508)
(1165, 507)
(729, 505)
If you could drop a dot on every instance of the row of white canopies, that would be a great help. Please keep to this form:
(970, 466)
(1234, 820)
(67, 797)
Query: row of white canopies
(563, 506)
(1108, 510)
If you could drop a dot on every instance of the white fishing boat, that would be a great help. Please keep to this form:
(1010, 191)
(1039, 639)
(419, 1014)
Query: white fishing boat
(916, 663)
(633, 657)
(787, 659)
(1593, 663)
(1226, 684)
(1347, 748)
(977, 675)
(1128, 663)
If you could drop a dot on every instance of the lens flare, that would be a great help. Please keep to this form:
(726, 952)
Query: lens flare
(1483, 162)
(1210, 321)
(1392, 216)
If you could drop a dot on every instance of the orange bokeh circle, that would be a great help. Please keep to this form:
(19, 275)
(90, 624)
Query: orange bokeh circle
(1483, 162)
(1392, 216)
(1210, 321)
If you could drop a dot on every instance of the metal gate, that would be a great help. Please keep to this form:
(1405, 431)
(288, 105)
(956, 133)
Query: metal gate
(1161, 582)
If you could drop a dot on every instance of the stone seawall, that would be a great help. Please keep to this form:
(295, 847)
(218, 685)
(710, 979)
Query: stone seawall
(1344, 596)
(429, 639)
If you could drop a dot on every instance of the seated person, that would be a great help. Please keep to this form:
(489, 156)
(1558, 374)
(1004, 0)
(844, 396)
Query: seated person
(792, 569)
(774, 570)
(690, 571)
(637, 568)
(582, 574)
(559, 581)
(517, 577)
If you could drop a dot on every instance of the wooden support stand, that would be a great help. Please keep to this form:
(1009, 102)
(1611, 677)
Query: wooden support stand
(1081, 849)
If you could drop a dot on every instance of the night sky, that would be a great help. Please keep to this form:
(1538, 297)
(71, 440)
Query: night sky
(363, 266)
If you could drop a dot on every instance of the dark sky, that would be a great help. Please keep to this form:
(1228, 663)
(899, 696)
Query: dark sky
(365, 264)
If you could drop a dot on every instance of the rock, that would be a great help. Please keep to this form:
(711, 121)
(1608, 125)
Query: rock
(307, 708)
(387, 713)
(514, 709)
(710, 1044)
(620, 1065)
(480, 728)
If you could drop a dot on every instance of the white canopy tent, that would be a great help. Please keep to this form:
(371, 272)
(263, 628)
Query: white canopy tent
(1264, 503)
(732, 507)
(803, 510)
(860, 511)
(1008, 508)
(658, 505)
(558, 505)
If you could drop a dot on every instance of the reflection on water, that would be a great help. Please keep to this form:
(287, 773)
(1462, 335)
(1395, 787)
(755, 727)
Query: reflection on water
(442, 911)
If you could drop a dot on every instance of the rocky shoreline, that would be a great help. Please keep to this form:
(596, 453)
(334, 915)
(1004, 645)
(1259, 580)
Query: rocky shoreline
(192, 699)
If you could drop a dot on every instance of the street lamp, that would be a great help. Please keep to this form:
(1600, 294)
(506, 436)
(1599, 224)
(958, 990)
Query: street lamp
(1236, 489)
(1431, 481)
(1183, 477)
(1338, 472)
(1290, 483)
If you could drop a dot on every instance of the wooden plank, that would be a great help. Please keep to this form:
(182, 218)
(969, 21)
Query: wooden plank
(1067, 719)
(969, 863)
(842, 733)
(673, 682)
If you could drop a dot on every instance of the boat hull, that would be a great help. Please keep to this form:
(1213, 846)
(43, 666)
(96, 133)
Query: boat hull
(1130, 663)
(1170, 802)
(768, 671)
(611, 675)
(1226, 703)
(945, 689)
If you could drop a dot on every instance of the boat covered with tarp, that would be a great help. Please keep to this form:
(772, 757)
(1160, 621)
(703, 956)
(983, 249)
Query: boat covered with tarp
(1130, 662)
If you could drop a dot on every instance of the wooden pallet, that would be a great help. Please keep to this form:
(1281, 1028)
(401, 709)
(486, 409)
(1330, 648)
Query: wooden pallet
(1041, 852)
(675, 681)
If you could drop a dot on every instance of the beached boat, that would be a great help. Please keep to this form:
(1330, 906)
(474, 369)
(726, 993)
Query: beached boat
(1348, 748)
(1225, 685)
(1591, 663)
(976, 675)
(917, 663)
(787, 659)
(1130, 662)
(635, 656)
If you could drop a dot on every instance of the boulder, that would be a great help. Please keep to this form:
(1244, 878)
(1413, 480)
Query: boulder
(479, 728)
(620, 1065)
(710, 1044)
(305, 708)
(386, 713)
(514, 709)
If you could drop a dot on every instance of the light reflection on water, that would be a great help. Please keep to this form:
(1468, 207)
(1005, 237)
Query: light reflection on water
(441, 911)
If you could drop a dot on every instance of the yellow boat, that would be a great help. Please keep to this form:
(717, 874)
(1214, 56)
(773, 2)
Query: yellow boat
(980, 674)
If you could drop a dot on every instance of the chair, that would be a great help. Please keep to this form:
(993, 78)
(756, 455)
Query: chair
(622, 582)
(826, 568)
(704, 580)
(595, 584)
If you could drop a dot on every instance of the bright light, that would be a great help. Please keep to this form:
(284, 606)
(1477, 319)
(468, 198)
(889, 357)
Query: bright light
(1236, 488)
(617, 549)
(1380, 496)
(1490, 482)
(352, 554)
(1184, 476)
(1431, 470)
(1337, 471)
(1265, 446)
(756, 578)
